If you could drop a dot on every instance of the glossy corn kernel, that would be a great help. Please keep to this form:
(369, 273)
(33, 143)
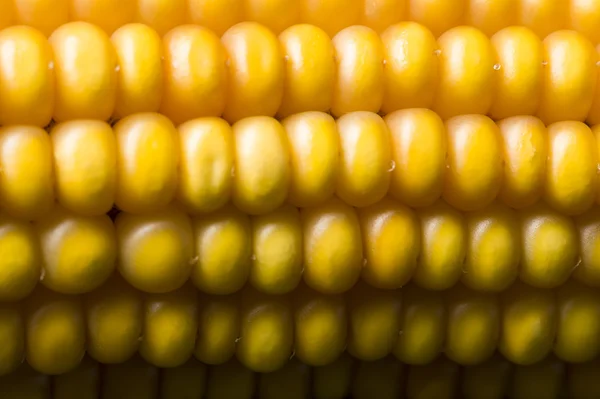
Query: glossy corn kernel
(85, 66)
(155, 252)
(26, 182)
(85, 166)
(195, 76)
(78, 252)
(140, 76)
(255, 71)
(27, 78)
(266, 332)
(310, 71)
(147, 161)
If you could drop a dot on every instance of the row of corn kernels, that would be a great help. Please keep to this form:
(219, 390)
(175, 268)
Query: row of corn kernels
(144, 163)
(80, 73)
(525, 324)
(543, 16)
(330, 247)
(346, 378)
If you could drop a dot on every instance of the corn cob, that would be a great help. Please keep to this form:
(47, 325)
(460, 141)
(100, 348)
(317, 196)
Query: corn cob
(418, 253)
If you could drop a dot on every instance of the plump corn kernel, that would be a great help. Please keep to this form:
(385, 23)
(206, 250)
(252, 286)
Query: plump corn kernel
(422, 326)
(277, 251)
(359, 55)
(519, 55)
(116, 303)
(474, 162)
(314, 157)
(255, 71)
(365, 158)
(170, 327)
(549, 249)
(26, 182)
(140, 77)
(373, 322)
(493, 249)
(578, 323)
(333, 253)
(444, 246)
(473, 326)
(155, 252)
(524, 141)
(320, 326)
(467, 73)
(411, 67)
(389, 264)
(571, 168)
(569, 77)
(147, 162)
(195, 74)
(266, 331)
(55, 331)
(223, 241)
(310, 71)
(206, 163)
(419, 147)
(262, 165)
(218, 328)
(20, 259)
(85, 166)
(78, 252)
(529, 317)
(85, 66)
(27, 81)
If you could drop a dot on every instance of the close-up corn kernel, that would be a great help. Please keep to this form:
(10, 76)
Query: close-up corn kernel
(330, 199)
